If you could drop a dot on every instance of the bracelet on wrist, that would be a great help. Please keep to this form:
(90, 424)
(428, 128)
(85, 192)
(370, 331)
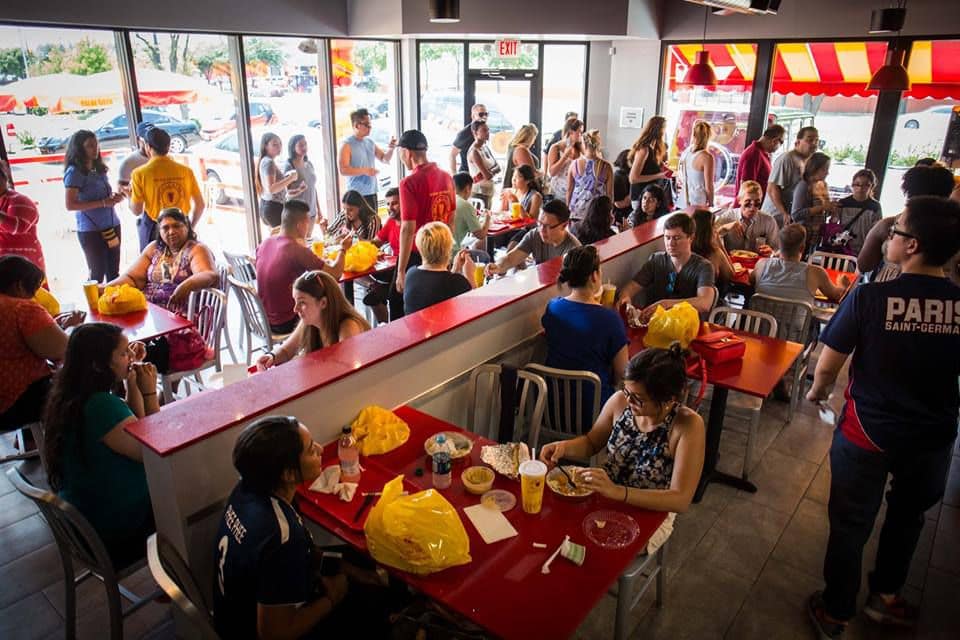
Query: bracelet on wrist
(625, 492)
(152, 393)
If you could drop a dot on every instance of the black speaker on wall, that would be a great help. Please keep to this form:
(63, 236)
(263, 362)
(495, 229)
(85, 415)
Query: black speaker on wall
(887, 20)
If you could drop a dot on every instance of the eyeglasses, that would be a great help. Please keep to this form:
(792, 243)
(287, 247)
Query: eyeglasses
(750, 203)
(543, 224)
(896, 232)
(632, 397)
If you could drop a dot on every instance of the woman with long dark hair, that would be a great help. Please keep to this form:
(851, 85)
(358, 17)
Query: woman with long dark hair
(304, 188)
(91, 461)
(525, 189)
(90, 197)
(646, 157)
(707, 244)
(271, 182)
(326, 318)
(356, 217)
(598, 223)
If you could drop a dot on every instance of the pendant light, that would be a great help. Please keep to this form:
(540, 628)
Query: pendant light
(893, 76)
(700, 73)
(444, 11)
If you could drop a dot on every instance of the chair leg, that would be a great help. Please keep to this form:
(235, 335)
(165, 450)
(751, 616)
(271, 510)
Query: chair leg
(624, 587)
(661, 574)
(70, 596)
(115, 609)
(798, 384)
(750, 454)
(167, 389)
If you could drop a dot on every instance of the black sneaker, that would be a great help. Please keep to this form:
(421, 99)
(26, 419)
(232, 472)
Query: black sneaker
(897, 612)
(825, 629)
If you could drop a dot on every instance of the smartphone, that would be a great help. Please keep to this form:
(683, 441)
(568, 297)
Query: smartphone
(330, 563)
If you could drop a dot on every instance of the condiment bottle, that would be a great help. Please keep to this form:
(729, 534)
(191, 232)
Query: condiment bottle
(349, 454)
(441, 464)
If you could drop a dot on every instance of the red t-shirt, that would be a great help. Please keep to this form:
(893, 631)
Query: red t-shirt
(19, 366)
(390, 232)
(427, 195)
(754, 164)
(280, 261)
(18, 228)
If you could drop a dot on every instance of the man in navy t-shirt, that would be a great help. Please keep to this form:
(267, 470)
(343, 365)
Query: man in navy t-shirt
(265, 583)
(900, 414)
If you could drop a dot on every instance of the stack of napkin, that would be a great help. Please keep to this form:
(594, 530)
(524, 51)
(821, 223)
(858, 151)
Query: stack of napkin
(329, 482)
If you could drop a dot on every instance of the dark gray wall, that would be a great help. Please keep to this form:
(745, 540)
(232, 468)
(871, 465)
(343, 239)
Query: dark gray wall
(280, 17)
(536, 18)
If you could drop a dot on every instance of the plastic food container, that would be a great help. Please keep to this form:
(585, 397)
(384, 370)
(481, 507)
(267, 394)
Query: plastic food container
(477, 480)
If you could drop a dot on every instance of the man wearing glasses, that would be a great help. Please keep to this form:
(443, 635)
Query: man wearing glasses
(899, 417)
(549, 240)
(465, 139)
(856, 215)
(357, 156)
(754, 162)
(748, 228)
(674, 276)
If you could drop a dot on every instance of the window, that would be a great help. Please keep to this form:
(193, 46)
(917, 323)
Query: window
(483, 55)
(441, 96)
(364, 74)
(564, 79)
(54, 83)
(924, 113)
(183, 80)
(726, 108)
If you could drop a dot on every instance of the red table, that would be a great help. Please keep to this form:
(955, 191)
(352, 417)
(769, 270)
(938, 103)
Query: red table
(765, 362)
(142, 325)
(502, 589)
(384, 263)
(501, 231)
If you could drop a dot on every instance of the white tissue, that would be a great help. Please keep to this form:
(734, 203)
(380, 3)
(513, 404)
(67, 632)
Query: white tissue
(329, 482)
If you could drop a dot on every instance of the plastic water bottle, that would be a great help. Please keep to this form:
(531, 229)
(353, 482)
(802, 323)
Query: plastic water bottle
(441, 464)
(349, 454)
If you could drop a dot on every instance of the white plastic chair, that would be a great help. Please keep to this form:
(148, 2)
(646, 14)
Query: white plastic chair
(207, 310)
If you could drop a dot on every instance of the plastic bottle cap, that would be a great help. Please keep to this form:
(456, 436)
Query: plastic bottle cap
(441, 438)
(347, 429)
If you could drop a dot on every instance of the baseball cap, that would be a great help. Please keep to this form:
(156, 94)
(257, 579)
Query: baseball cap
(413, 140)
(143, 128)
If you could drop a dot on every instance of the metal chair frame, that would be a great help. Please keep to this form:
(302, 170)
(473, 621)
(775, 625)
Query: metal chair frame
(563, 419)
(224, 270)
(529, 409)
(650, 567)
(835, 261)
(255, 321)
(207, 310)
(174, 577)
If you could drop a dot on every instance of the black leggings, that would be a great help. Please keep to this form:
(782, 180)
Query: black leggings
(271, 212)
(102, 261)
(28, 407)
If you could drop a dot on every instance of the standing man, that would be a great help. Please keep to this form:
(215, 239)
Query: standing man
(754, 163)
(161, 184)
(464, 139)
(135, 160)
(357, 155)
(899, 417)
(426, 195)
(786, 173)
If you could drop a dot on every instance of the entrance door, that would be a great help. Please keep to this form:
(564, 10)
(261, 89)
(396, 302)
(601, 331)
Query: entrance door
(512, 99)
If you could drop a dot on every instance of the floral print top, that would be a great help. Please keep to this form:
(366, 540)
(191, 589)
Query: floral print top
(638, 459)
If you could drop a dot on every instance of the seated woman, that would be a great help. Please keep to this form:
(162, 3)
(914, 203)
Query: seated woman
(706, 244)
(434, 281)
(582, 334)
(18, 222)
(653, 204)
(29, 337)
(356, 217)
(597, 224)
(786, 276)
(525, 190)
(173, 265)
(92, 463)
(654, 444)
(326, 318)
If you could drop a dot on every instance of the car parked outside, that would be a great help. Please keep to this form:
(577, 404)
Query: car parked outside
(111, 129)
(261, 113)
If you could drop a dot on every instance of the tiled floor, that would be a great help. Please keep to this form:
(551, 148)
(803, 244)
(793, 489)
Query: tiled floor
(739, 566)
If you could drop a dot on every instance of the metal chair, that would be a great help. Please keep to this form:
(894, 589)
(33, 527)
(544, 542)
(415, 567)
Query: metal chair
(793, 324)
(567, 394)
(223, 285)
(741, 405)
(78, 541)
(174, 577)
(207, 310)
(20, 442)
(835, 261)
(651, 569)
(241, 267)
(483, 412)
(255, 323)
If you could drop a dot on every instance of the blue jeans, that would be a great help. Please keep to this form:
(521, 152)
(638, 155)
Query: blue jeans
(146, 231)
(859, 478)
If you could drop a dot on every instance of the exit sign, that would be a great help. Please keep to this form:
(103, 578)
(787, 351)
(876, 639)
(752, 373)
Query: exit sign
(508, 48)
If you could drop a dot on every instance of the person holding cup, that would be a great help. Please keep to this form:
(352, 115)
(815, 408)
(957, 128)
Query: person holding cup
(523, 199)
(272, 183)
(748, 228)
(655, 445)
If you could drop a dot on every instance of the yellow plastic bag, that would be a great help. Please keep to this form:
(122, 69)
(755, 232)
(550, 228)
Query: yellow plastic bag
(122, 299)
(680, 323)
(421, 533)
(379, 430)
(360, 257)
(46, 300)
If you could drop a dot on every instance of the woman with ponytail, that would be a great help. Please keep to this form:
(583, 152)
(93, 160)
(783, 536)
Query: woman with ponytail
(654, 444)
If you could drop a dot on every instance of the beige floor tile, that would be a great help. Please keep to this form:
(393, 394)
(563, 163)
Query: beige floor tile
(22, 537)
(782, 480)
(29, 574)
(30, 618)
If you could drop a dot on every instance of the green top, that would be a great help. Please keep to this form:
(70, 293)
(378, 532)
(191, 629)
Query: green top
(108, 488)
(464, 221)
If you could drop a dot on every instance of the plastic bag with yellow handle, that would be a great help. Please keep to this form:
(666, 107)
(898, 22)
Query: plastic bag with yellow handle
(680, 323)
(123, 299)
(421, 533)
(46, 300)
(379, 430)
(360, 257)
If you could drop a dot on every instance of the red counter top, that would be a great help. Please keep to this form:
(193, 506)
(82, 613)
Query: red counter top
(200, 416)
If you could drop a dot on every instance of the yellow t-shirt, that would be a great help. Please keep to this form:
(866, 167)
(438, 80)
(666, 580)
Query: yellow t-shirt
(163, 183)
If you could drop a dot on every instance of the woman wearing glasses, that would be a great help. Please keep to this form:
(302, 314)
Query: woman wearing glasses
(654, 444)
(326, 318)
(748, 228)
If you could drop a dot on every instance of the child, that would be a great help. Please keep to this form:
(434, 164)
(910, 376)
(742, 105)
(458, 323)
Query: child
(468, 231)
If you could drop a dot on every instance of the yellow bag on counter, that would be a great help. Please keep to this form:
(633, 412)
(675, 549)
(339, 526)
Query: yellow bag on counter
(379, 430)
(421, 533)
(360, 257)
(680, 323)
(46, 300)
(123, 299)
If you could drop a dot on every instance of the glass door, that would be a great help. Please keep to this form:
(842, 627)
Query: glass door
(512, 100)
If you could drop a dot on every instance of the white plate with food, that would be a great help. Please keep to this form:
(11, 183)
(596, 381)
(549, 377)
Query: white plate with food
(748, 255)
(561, 486)
(457, 444)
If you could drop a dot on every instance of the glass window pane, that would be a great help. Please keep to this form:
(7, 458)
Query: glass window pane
(924, 115)
(726, 108)
(364, 75)
(564, 76)
(483, 55)
(508, 108)
(285, 99)
(184, 78)
(56, 82)
(441, 96)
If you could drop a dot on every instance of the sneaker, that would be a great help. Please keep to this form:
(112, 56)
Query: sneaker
(895, 612)
(826, 629)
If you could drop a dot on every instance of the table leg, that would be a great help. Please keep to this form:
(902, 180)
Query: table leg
(718, 409)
